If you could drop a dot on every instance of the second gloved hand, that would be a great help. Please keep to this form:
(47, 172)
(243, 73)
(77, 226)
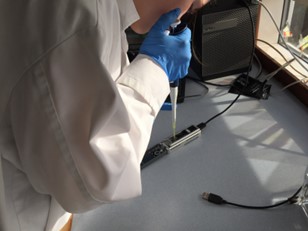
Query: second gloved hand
(171, 52)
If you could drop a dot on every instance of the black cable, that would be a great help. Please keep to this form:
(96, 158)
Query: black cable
(274, 48)
(204, 124)
(216, 84)
(253, 35)
(213, 197)
(282, 67)
(281, 35)
(202, 82)
(259, 64)
(206, 90)
(216, 199)
(197, 81)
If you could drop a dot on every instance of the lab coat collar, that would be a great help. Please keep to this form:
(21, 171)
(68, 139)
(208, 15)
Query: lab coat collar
(128, 13)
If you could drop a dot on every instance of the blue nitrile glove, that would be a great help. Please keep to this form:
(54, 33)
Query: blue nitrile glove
(171, 52)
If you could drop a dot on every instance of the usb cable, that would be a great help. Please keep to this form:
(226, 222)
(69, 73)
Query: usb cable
(216, 199)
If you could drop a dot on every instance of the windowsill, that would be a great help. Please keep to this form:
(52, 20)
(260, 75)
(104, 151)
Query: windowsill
(280, 61)
(271, 60)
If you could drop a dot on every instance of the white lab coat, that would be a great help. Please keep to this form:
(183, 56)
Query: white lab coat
(75, 117)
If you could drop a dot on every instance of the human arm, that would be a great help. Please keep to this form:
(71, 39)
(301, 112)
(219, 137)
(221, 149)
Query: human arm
(80, 135)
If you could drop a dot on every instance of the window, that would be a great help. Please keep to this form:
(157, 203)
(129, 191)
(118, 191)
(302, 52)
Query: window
(294, 27)
(287, 14)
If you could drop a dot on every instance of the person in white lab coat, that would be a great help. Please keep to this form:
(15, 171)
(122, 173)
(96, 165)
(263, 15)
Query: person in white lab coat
(75, 116)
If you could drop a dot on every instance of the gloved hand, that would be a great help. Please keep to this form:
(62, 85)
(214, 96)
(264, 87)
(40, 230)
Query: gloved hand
(171, 52)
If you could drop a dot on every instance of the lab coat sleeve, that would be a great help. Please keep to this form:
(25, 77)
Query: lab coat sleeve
(80, 135)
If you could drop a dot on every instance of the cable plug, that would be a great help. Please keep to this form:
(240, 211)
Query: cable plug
(295, 200)
(213, 198)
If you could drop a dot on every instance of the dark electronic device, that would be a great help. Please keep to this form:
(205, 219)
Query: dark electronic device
(164, 147)
(248, 86)
(223, 38)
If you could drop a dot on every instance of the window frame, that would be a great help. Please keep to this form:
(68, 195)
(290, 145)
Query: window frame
(285, 15)
(270, 59)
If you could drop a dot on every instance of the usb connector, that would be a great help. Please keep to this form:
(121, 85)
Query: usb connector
(213, 198)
